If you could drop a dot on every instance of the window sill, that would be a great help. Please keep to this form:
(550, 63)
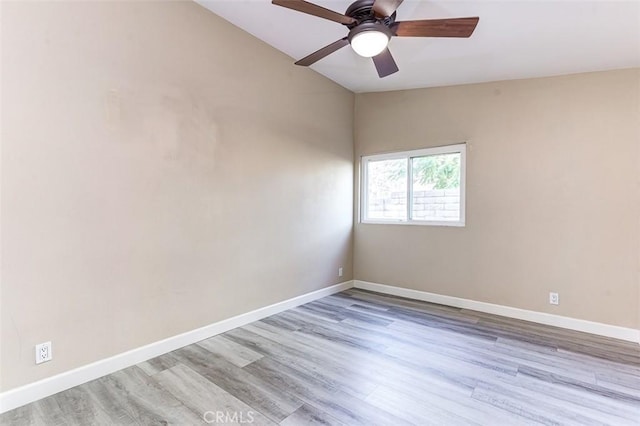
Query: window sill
(457, 224)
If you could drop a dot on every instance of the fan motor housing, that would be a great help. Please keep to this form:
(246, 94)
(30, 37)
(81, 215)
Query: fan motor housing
(362, 11)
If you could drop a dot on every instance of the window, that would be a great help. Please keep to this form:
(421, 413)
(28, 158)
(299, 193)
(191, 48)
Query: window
(421, 187)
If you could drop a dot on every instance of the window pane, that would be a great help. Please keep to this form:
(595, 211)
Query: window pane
(387, 189)
(436, 187)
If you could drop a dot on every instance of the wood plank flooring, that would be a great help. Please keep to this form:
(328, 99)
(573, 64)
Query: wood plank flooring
(361, 358)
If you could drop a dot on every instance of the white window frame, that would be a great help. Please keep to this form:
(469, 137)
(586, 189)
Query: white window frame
(460, 148)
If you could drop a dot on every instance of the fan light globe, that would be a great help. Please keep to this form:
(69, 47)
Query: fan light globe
(369, 43)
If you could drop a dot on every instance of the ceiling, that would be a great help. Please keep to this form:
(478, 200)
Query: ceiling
(514, 39)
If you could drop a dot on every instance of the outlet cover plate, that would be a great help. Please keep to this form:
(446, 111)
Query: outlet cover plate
(554, 298)
(43, 352)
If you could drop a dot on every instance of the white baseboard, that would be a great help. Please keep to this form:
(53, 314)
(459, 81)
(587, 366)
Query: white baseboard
(601, 329)
(18, 397)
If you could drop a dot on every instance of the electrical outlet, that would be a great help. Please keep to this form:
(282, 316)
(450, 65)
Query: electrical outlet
(554, 298)
(340, 271)
(43, 352)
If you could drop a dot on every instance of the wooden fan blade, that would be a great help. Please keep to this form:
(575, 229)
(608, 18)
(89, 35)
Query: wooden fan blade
(385, 65)
(457, 27)
(325, 51)
(315, 10)
(383, 8)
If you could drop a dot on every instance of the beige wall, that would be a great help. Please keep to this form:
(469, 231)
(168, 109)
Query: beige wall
(161, 170)
(553, 199)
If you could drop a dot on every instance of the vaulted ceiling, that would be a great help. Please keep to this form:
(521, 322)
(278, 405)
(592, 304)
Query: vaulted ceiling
(514, 39)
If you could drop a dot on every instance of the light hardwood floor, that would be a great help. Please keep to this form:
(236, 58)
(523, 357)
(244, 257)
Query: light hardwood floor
(360, 358)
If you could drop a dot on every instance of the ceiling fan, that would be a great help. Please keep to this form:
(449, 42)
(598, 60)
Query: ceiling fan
(371, 25)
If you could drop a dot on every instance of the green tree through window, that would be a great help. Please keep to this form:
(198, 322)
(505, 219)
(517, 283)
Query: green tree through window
(437, 171)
